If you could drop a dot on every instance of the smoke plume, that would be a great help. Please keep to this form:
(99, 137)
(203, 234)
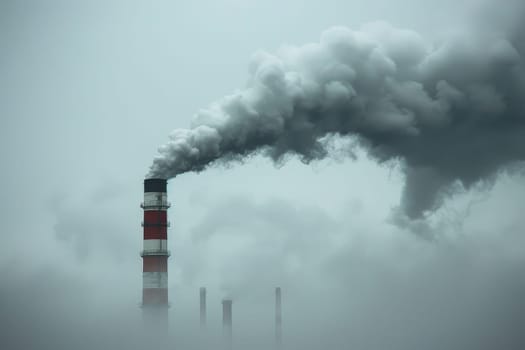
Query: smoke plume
(452, 113)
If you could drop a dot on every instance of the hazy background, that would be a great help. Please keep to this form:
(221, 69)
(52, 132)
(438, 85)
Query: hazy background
(89, 90)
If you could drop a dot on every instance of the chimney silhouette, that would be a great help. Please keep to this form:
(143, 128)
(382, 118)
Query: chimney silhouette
(278, 318)
(202, 303)
(227, 323)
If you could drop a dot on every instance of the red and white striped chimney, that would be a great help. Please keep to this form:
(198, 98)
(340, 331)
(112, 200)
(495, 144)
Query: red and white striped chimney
(155, 253)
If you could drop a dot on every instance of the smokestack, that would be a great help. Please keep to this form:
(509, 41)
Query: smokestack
(155, 255)
(227, 322)
(203, 307)
(278, 318)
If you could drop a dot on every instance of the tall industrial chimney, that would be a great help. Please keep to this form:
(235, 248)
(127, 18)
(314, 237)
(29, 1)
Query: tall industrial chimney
(203, 307)
(227, 322)
(155, 255)
(278, 318)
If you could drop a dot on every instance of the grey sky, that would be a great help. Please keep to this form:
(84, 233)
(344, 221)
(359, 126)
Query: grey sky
(89, 90)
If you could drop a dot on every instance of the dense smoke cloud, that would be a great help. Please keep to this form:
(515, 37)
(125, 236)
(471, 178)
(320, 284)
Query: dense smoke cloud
(451, 112)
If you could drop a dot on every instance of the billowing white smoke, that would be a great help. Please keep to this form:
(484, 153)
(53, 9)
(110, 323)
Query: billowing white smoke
(451, 112)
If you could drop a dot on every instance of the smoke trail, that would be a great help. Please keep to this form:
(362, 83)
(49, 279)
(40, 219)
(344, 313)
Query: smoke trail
(451, 113)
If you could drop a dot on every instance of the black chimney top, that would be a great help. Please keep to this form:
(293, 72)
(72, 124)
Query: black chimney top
(155, 185)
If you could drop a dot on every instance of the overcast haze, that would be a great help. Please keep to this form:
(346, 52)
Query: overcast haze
(90, 90)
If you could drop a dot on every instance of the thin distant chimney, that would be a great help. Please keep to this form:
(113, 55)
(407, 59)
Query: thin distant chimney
(227, 322)
(278, 318)
(203, 307)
